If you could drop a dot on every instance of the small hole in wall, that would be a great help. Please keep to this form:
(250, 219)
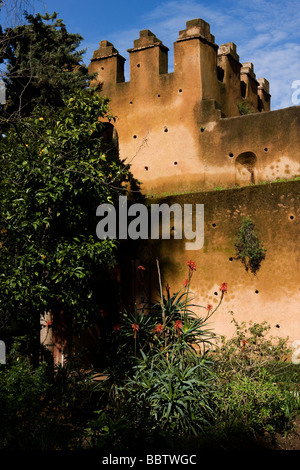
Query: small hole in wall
(138, 66)
(102, 68)
(135, 136)
(256, 292)
(216, 293)
(202, 129)
(131, 102)
(214, 225)
(230, 155)
(265, 149)
(292, 217)
(175, 163)
(231, 259)
(146, 168)
(180, 90)
(158, 96)
(277, 326)
(166, 129)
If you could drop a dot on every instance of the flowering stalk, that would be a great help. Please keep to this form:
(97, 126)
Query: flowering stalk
(192, 267)
(135, 328)
(178, 326)
(161, 296)
(159, 328)
(211, 311)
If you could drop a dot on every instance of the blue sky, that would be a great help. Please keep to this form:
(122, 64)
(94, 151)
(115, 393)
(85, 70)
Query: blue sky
(267, 33)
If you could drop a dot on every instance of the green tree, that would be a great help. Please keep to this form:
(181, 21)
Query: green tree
(42, 64)
(54, 174)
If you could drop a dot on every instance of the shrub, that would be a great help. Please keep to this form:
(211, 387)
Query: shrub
(250, 350)
(41, 409)
(255, 392)
(175, 388)
(255, 405)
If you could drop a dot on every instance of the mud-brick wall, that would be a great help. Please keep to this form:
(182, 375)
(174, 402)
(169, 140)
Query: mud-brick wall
(273, 294)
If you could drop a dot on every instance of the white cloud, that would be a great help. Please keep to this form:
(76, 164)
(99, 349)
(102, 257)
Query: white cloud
(282, 64)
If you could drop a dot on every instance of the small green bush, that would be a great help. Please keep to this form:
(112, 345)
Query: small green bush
(258, 405)
(250, 350)
(258, 389)
(41, 408)
(21, 390)
(244, 107)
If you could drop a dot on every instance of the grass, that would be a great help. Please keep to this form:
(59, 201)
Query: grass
(220, 188)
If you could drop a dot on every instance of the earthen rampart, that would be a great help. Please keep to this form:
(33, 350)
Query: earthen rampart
(205, 126)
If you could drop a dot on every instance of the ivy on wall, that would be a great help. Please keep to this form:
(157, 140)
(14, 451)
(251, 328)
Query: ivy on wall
(249, 249)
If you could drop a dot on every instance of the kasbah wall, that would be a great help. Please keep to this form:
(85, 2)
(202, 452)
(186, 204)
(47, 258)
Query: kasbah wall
(183, 134)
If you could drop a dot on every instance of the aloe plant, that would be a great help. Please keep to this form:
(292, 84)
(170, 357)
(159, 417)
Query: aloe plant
(169, 380)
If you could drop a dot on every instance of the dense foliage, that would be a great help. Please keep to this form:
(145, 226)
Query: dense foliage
(185, 388)
(258, 386)
(43, 64)
(54, 174)
(171, 385)
(58, 162)
(40, 410)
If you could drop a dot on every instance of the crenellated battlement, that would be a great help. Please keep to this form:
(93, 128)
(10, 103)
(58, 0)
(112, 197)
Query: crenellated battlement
(146, 39)
(197, 28)
(189, 126)
(197, 60)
